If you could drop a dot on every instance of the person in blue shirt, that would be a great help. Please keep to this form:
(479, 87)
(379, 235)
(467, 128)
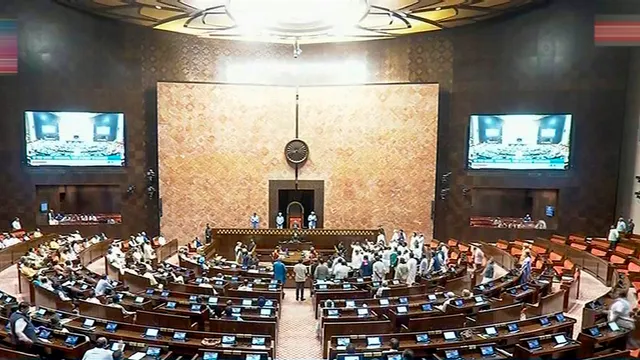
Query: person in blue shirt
(279, 271)
(366, 269)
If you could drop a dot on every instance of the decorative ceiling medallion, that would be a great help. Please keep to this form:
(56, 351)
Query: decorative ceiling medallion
(308, 21)
(296, 151)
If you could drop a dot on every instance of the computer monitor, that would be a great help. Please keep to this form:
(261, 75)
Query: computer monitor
(613, 326)
(487, 350)
(164, 293)
(374, 342)
(560, 317)
(479, 299)
(198, 281)
(111, 327)
(396, 356)
(171, 305)
(179, 336)
(451, 354)
(265, 312)
(350, 303)
(359, 280)
(422, 338)
(594, 331)
(259, 341)
(84, 287)
(193, 298)
(524, 287)
(228, 340)
(41, 312)
(363, 312)
(427, 307)
(150, 291)
(450, 335)
(491, 331)
(395, 282)
(384, 302)
(151, 333)
(71, 340)
(268, 303)
(252, 357)
(513, 291)
(208, 355)
(375, 284)
(247, 302)
(459, 302)
(403, 300)
(88, 323)
(44, 334)
(481, 287)
(118, 346)
(346, 286)
(560, 339)
(322, 286)
(333, 312)
(218, 283)
(344, 341)
(213, 300)
(139, 300)
(544, 321)
(348, 357)
(236, 310)
(273, 287)
(402, 309)
(153, 351)
(432, 297)
(533, 344)
(196, 307)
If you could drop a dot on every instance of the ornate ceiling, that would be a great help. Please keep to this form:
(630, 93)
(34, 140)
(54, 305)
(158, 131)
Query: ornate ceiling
(308, 21)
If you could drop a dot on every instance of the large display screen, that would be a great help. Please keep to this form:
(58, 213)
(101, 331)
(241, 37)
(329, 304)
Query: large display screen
(519, 142)
(74, 139)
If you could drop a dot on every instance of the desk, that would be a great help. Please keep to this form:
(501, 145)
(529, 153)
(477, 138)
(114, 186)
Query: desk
(547, 348)
(473, 352)
(596, 345)
(529, 327)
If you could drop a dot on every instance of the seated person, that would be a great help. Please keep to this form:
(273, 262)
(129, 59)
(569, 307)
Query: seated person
(115, 302)
(244, 286)
(92, 298)
(55, 324)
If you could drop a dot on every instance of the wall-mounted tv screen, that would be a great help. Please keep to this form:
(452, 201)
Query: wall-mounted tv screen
(74, 138)
(519, 142)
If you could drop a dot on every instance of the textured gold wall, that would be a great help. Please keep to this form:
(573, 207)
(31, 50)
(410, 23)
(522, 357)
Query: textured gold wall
(219, 145)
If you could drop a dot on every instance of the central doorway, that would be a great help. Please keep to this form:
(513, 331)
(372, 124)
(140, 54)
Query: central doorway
(304, 196)
(292, 202)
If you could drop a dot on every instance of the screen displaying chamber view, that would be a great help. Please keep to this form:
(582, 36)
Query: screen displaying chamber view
(74, 139)
(519, 142)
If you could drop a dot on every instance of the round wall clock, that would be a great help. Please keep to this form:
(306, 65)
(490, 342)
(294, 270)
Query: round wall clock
(296, 151)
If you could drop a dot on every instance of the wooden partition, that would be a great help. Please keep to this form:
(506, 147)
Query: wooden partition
(439, 322)
(225, 240)
(101, 311)
(244, 327)
(156, 319)
(167, 250)
(330, 329)
(13, 253)
(136, 283)
(94, 252)
(499, 315)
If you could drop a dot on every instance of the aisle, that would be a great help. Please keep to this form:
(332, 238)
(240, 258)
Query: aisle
(297, 329)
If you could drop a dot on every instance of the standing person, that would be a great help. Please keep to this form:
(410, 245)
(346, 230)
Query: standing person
(412, 264)
(207, 234)
(478, 258)
(381, 241)
(255, 221)
(322, 271)
(487, 275)
(366, 269)
(23, 333)
(621, 226)
(15, 225)
(613, 237)
(630, 226)
(279, 221)
(379, 270)
(300, 272)
(402, 270)
(279, 271)
(525, 269)
(312, 220)
(424, 266)
(620, 311)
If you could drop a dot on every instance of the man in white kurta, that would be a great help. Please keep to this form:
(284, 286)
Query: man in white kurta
(378, 270)
(413, 269)
(356, 260)
(279, 221)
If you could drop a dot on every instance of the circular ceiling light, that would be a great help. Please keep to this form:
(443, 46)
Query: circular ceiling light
(296, 18)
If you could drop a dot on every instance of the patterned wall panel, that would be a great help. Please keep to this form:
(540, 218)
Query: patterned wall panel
(219, 145)
(375, 147)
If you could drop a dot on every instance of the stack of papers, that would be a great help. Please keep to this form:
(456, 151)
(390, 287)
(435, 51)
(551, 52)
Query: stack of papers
(137, 356)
